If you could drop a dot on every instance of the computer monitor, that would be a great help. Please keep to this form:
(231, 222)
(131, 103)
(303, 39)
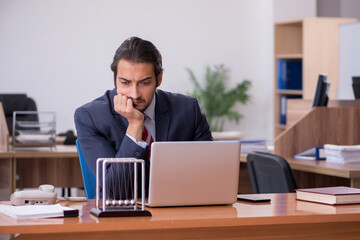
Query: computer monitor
(321, 92)
(356, 86)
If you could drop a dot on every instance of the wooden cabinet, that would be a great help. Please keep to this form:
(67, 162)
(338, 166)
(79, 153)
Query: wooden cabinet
(314, 42)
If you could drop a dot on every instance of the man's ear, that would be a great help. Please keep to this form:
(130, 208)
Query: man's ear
(159, 80)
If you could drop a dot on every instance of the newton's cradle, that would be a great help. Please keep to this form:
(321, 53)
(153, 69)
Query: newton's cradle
(122, 207)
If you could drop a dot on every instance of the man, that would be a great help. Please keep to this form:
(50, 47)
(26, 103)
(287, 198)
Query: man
(113, 125)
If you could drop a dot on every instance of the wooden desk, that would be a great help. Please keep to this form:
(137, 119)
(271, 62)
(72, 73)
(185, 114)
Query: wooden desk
(59, 167)
(283, 218)
(320, 173)
(7, 171)
(324, 174)
(31, 168)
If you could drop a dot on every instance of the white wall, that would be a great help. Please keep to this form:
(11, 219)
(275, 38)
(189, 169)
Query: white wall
(349, 59)
(59, 52)
(285, 10)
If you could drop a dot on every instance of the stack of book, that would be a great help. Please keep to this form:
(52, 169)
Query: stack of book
(330, 195)
(258, 145)
(342, 153)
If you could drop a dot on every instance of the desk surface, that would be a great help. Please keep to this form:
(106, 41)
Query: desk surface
(283, 217)
(345, 170)
(61, 151)
(6, 154)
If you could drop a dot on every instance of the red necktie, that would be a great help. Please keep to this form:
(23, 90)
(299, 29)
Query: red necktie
(146, 137)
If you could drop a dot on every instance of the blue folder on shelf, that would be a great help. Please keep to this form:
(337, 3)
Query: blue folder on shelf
(283, 99)
(290, 74)
(315, 153)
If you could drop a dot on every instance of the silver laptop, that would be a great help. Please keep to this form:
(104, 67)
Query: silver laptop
(194, 173)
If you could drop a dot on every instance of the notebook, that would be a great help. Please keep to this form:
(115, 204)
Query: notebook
(194, 173)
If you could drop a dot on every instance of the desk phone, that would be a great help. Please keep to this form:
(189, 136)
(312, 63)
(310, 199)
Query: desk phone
(45, 195)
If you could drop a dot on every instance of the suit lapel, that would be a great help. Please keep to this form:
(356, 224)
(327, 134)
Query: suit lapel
(162, 119)
(111, 100)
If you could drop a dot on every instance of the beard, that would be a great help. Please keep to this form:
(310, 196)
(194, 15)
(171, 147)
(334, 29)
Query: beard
(140, 103)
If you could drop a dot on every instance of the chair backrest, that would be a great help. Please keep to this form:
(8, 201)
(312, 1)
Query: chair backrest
(270, 173)
(88, 177)
(17, 102)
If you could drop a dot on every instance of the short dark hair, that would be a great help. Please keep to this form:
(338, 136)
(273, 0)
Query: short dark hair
(137, 50)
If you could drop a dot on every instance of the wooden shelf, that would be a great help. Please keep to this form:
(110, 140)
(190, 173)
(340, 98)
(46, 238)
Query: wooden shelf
(289, 92)
(289, 56)
(281, 126)
(292, 22)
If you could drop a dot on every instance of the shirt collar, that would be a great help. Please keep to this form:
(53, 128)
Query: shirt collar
(150, 110)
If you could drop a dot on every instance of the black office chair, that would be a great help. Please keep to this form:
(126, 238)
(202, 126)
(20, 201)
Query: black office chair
(356, 86)
(270, 173)
(17, 102)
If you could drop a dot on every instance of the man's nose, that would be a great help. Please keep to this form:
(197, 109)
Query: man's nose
(134, 92)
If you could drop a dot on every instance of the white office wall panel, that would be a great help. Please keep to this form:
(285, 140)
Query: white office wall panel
(287, 10)
(349, 59)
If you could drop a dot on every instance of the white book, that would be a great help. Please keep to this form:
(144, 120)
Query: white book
(38, 211)
(342, 160)
(342, 153)
(342, 147)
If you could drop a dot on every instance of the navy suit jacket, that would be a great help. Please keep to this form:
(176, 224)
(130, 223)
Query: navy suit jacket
(102, 131)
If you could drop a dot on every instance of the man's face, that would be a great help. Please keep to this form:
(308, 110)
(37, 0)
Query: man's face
(137, 81)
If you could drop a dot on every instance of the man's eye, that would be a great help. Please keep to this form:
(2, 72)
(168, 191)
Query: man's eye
(145, 83)
(124, 83)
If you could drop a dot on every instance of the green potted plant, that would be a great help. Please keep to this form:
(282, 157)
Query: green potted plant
(215, 99)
